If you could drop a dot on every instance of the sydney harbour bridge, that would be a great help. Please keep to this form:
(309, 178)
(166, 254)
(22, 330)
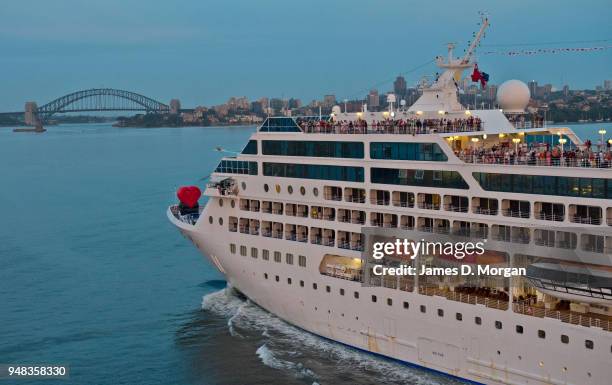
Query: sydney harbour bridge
(95, 99)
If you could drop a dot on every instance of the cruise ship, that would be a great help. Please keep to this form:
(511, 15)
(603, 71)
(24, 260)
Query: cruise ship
(287, 222)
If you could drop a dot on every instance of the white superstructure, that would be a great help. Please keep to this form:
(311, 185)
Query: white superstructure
(284, 221)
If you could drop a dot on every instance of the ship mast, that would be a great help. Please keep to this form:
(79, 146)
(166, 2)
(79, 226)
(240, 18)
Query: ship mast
(442, 95)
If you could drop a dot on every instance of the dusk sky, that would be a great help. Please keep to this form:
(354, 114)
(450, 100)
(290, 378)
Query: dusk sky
(203, 52)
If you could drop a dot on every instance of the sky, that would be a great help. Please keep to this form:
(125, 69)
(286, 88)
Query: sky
(203, 51)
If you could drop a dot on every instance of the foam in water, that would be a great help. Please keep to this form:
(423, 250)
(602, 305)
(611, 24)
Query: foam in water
(283, 338)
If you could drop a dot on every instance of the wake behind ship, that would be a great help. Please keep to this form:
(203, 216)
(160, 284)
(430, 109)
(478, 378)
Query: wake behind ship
(285, 222)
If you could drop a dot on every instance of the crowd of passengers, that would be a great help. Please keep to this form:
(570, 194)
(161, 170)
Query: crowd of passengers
(392, 126)
(538, 154)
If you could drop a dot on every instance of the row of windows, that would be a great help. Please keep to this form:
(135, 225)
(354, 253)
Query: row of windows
(250, 148)
(546, 185)
(230, 166)
(279, 124)
(322, 149)
(265, 255)
(407, 151)
(422, 178)
(588, 344)
(312, 171)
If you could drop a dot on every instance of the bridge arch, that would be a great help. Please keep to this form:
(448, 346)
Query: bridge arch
(101, 99)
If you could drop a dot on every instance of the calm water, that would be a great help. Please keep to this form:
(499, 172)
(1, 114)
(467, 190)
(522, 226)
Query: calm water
(93, 276)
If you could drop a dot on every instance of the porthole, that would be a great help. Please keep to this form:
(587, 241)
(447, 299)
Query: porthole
(266, 187)
(341, 291)
(328, 289)
(220, 202)
(266, 275)
(315, 192)
(356, 295)
(277, 188)
(588, 344)
(374, 298)
(314, 286)
(440, 312)
(406, 305)
(389, 302)
(277, 278)
(289, 281)
(498, 325)
(233, 203)
(459, 317)
(210, 220)
(423, 309)
(519, 329)
(303, 190)
(478, 320)
(564, 339)
(541, 334)
(243, 184)
(220, 221)
(290, 189)
(302, 283)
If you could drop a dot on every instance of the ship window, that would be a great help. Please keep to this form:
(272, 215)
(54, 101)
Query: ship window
(498, 325)
(250, 148)
(314, 286)
(265, 255)
(220, 202)
(519, 329)
(290, 189)
(302, 283)
(328, 289)
(315, 191)
(254, 252)
(220, 221)
(210, 220)
(277, 256)
(243, 251)
(423, 309)
(374, 299)
(389, 302)
(459, 317)
(588, 344)
(323, 149)
(478, 320)
(407, 151)
(314, 171)
(356, 294)
(233, 248)
(233, 202)
(289, 258)
(266, 275)
(341, 291)
(406, 305)
(541, 334)
(302, 261)
(303, 190)
(243, 188)
(266, 187)
(564, 339)
(422, 178)
(276, 278)
(440, 312)
(289, 281)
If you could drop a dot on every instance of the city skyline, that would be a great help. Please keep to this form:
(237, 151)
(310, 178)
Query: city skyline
(204, 53)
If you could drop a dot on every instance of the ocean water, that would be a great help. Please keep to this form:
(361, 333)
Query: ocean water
(93, 276)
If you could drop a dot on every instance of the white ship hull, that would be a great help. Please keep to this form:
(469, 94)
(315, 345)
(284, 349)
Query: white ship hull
(463, 349)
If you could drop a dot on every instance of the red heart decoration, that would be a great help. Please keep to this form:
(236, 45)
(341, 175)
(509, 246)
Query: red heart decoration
(189, 195)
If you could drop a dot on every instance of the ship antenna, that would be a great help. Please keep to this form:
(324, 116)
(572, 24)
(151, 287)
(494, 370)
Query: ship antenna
(470, 51)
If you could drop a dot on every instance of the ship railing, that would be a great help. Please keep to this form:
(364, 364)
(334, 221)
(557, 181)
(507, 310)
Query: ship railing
(485, 211)
(328, 242)
(563, 316)
(394, 129)
(515, 214)
(291, 237)
(266, 233)
(190, 218)
(429, 206)
(403, 204)
(356, 199)
(344, 245)
(316, 240)
(358, 221)
(380, 202)
(585, 220)
(550, 217)
(472, 299)
(454, 208)
(524, 161)
(357, 246)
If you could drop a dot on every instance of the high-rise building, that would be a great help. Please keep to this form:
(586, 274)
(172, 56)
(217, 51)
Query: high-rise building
(607, 85)
(533, 87)
(399, 87)
(329, 100)
(175, 106)
(373, 100)
(566, 90)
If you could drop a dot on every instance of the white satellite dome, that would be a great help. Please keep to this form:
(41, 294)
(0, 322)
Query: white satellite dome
(336, 110)
(513, 96)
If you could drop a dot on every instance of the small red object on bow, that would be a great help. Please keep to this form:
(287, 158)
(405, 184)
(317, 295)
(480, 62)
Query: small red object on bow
(189, 195)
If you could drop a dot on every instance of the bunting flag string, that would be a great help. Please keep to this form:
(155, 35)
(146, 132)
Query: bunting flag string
(539, 51)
